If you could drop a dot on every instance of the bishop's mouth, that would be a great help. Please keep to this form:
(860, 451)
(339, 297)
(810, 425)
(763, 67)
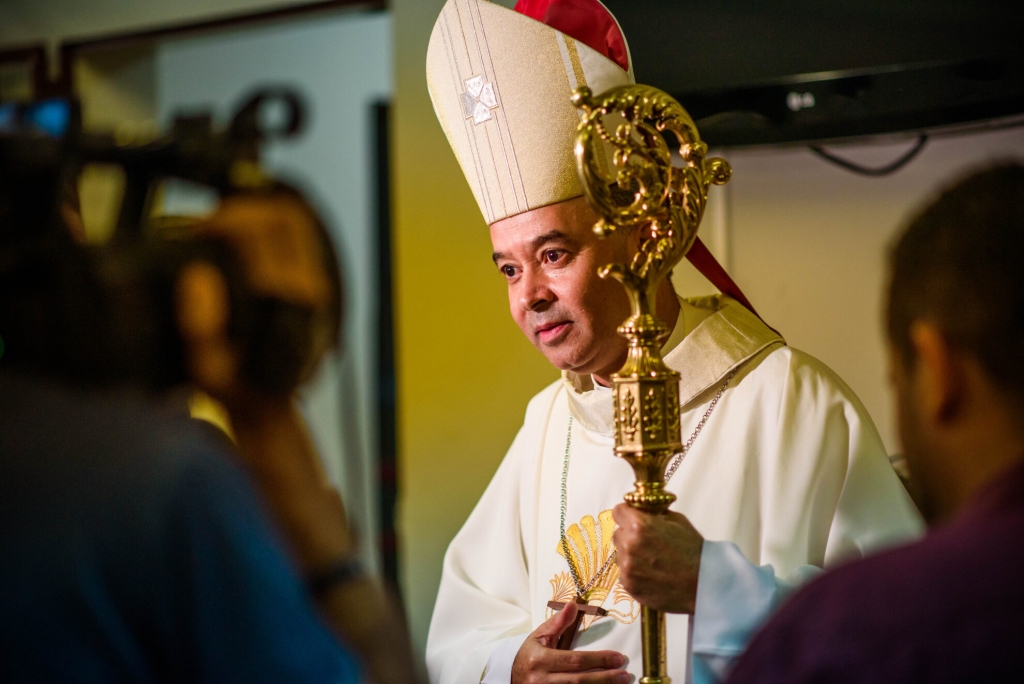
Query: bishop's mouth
(552, 332)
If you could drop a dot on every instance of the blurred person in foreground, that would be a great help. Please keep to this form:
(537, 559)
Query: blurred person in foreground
(949, 608)
(139, 547)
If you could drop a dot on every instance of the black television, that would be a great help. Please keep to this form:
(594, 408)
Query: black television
(755, 72)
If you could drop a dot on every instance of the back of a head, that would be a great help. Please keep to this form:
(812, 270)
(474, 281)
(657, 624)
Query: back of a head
(960, 266)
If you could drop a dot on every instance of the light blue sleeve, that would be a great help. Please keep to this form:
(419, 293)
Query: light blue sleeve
(734, 597)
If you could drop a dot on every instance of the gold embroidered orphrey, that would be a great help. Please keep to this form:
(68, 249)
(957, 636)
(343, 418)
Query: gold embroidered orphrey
(667, 207)
(590, 546)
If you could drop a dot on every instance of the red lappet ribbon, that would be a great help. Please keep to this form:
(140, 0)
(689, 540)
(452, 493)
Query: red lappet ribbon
(705, 262)
(587, 21)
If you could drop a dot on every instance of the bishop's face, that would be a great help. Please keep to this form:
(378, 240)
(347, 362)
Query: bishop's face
(550, 257)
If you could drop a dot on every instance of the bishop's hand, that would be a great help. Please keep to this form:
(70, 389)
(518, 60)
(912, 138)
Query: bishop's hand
(539, 662)
(659, 558)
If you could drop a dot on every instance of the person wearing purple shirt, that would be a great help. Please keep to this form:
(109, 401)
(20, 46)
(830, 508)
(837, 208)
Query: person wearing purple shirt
(949, 608)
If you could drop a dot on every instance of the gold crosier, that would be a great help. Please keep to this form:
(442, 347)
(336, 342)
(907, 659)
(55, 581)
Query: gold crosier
(668, 203)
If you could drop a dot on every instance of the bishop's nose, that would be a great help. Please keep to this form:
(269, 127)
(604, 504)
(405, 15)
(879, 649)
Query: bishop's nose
(536, 293)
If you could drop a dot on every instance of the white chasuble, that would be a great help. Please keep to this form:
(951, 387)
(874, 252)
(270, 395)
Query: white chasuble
(787, 477)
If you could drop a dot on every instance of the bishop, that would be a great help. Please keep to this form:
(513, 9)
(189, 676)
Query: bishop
(783, 473)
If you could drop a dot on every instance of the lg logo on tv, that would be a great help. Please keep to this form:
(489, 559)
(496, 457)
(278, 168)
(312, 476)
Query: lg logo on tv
(797, 101)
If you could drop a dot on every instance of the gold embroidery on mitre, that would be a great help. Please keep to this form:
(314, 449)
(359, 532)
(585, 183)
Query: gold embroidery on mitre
(581, 81)
(574, 59)
(590, 544)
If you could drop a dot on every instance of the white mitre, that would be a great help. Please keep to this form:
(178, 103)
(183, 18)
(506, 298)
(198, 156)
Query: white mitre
(501, 84)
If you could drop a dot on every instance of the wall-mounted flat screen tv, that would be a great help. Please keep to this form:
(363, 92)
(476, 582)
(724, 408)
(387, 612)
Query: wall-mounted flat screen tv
(755, 72)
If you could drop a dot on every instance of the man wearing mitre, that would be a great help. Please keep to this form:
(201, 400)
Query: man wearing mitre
(785, 473)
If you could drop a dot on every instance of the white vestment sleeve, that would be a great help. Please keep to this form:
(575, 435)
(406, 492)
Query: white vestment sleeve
(853, 503)
(499, 666)
(484, 597)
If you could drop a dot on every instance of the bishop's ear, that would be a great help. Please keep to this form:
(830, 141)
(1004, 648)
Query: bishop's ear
(936, 377)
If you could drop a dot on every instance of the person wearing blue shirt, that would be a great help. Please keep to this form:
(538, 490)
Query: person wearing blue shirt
(136, 549)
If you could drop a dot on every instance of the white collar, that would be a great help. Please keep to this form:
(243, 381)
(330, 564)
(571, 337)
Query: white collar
(721, 335)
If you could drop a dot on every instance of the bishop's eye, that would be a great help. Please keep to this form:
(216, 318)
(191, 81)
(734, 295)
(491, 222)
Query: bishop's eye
(508, 271)
(552, 255)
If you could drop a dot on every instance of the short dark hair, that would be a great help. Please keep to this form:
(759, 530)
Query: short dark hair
(960, 266)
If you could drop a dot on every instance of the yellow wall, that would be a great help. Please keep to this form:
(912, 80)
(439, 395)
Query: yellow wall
(465, 372)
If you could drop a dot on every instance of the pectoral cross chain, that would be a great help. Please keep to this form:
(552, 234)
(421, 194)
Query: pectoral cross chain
(584, 608)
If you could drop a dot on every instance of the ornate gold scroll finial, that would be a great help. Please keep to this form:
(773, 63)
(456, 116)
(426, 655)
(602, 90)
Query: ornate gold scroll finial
(667, 207)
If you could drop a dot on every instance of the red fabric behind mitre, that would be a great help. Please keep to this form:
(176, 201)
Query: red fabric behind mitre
(590, 22)
(587, 21)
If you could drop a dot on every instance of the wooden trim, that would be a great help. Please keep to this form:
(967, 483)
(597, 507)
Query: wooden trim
(387, 389)
(34, 54)
(70, 50)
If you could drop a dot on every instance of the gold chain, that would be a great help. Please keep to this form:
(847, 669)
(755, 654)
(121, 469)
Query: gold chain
(582, 590)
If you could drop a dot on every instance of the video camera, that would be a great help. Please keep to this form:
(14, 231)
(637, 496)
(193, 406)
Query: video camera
(105, 314)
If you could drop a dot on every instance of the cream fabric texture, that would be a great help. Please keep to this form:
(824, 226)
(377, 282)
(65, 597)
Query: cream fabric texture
(789, 476)
(730, 336)
(501, 84)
